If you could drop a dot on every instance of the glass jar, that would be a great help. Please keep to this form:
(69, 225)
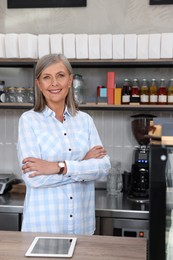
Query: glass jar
(78, 86)
(20, 94)
(2, 91)
(10, 95)
(29, 98)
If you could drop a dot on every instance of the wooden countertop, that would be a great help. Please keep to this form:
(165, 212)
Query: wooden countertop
(13, 246)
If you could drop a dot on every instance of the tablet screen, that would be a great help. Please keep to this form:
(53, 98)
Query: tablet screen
(52, 247)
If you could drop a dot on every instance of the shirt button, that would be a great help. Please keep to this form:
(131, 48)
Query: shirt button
(71, 216)
(71, 198)
(69, 149)
(65, 133)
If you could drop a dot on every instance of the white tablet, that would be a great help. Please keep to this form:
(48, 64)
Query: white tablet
(52, 247)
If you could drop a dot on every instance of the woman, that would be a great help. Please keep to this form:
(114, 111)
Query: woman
(60, 154)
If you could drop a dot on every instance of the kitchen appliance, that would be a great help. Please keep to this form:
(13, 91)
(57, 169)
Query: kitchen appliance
(139, 177)
(6, 181)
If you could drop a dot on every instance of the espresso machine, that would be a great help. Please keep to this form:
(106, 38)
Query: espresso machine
(139, 176)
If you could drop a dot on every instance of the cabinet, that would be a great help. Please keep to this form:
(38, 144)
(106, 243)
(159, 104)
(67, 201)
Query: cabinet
(10, 221)
(97, 69)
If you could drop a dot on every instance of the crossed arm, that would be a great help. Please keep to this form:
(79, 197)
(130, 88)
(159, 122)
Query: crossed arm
(42, 167)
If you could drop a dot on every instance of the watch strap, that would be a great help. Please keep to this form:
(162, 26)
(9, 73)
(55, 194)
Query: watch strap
(61, 167)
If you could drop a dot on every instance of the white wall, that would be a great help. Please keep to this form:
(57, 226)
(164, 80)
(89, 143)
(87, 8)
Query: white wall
(100, 16)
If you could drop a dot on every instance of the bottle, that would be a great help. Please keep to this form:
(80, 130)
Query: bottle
(78, 86)
(144, 93)
(125, 97)
(2, 91)
(170, 92)
(153, 96)
(162, 93)
(135, 92)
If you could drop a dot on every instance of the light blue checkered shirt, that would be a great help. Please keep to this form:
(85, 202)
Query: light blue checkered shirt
(63, 204)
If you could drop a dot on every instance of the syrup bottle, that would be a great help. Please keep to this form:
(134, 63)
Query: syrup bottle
(162, 93)
(144, 93)
(135, 92)
(153, 95)
(170, 92)
(125, 98)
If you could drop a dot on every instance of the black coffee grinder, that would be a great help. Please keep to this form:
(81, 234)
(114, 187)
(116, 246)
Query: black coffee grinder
(139, 176)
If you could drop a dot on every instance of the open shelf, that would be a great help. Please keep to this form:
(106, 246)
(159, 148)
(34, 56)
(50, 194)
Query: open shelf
(80, 63)
(87, 63)
(126, 107)
(16, 105)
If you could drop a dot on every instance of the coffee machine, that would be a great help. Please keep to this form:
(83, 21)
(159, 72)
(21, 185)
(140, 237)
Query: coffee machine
(139, 176)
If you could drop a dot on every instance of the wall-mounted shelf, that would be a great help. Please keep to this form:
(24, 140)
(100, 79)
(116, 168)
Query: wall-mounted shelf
(16, 105)
(126, 107)
(121, 63)
(17, 62)
(23, 63)
(77, 63)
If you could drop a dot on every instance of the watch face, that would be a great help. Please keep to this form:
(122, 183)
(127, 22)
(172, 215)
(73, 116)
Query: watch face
(61, 164)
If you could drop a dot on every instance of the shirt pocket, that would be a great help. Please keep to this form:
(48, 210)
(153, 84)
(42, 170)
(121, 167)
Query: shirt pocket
(82, 142)
(50, 146)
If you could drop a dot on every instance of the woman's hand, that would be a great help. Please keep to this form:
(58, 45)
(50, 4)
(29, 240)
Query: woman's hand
(39, 167)
(97, 152)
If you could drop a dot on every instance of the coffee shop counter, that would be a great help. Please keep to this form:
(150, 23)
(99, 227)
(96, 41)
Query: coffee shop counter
(106, 205)
(13, 246)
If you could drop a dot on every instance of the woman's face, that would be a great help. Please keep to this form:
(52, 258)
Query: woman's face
(54, 82)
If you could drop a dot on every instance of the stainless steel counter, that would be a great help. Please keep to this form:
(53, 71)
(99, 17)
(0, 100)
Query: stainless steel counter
(120, 206)
(106, 205)
(11, 203)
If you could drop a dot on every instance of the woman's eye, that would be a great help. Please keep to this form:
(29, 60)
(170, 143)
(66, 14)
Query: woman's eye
(60, 75)
(46, 77)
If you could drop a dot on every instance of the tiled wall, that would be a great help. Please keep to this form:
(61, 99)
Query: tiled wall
(114, 128)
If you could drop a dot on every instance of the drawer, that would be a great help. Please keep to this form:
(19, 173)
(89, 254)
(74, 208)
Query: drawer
(10, 221)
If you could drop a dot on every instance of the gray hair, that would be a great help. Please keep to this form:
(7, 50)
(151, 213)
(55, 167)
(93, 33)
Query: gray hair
(42, 64)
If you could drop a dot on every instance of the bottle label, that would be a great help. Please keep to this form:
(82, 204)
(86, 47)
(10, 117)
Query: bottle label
(170, 99)
(126, 99)
(153, 99)
(162, 98)
(144, 98)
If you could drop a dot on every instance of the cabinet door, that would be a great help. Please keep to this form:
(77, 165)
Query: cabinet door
(97, 231)
(10, 221)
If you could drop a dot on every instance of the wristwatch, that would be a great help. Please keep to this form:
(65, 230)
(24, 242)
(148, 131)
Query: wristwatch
(61, 166)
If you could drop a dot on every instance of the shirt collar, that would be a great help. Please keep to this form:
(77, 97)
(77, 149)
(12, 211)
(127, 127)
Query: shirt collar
(49, 112)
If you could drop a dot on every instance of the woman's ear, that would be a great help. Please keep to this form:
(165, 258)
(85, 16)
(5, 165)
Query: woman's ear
(70, 80)
(37, 84)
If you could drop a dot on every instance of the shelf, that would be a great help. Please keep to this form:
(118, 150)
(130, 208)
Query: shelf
(77, 63)
(16, 105)
(107, 107)
(27, 63)
(121, 63)
(80, 63)
(94, 106)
